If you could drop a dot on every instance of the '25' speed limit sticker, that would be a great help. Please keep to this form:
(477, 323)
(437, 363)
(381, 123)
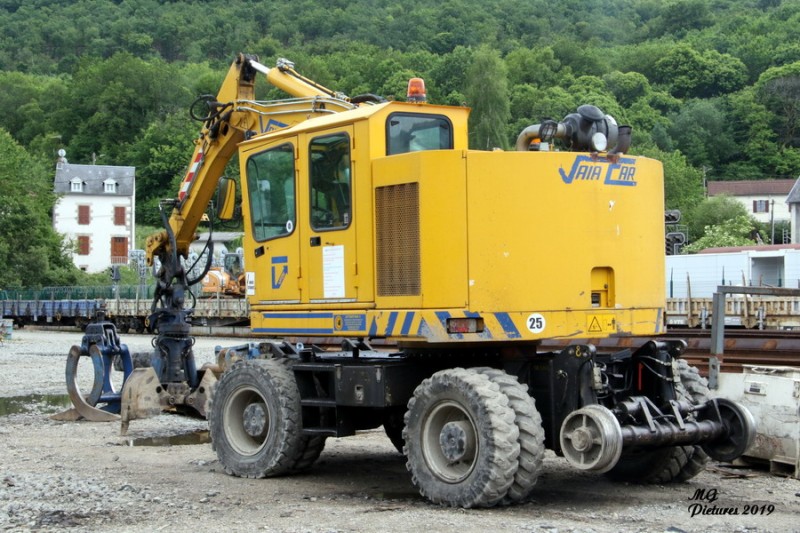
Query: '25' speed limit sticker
(536, 323)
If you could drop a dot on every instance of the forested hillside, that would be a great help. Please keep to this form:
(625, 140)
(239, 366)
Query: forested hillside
(711, 87)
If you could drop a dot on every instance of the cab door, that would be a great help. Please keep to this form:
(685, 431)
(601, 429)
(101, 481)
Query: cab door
(272, 255)
(328, 244)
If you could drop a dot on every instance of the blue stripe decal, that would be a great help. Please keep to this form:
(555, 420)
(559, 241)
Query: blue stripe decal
(508, 325)
(443, 316)
(423, 330)
(373, 329)
(296, 315)
(390, 324)
(407, 323)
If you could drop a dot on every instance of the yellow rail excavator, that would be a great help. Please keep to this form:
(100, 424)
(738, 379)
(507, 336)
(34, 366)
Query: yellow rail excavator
(397, 278)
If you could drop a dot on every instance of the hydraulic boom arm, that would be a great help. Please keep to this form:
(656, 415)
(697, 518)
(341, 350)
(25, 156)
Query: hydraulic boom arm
(231, 117)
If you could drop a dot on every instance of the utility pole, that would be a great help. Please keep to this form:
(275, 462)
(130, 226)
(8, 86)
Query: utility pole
(772, 221)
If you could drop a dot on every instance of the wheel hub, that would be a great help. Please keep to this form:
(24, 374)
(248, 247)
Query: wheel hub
(582, 439)
(254, 420)
(456, 440)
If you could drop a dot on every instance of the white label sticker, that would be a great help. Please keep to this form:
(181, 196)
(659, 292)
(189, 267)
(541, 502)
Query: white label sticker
(536, 323)
(333, 271)
(250, 283)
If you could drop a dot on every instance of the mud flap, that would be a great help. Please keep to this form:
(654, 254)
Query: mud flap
(140, 396)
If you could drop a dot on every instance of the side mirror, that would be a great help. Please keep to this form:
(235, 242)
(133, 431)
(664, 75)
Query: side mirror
(226, 199)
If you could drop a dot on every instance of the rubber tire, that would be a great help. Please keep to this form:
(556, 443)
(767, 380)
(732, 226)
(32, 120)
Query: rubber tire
(310, 447)
(273, 385)
(393, 427)
(693, 387)
(531, 434)
(311, 450)
(673, 464)
(465, 395)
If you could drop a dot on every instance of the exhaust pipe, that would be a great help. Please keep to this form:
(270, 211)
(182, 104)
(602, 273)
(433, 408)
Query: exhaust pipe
(623, 140)
(546, 131)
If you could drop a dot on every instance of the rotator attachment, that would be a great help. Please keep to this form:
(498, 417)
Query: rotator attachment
(100, 343)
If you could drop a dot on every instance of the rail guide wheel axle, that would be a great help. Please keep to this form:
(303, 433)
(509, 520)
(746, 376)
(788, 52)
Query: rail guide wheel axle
(591, 439)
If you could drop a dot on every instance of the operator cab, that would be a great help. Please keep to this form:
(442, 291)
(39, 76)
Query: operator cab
(308, 191)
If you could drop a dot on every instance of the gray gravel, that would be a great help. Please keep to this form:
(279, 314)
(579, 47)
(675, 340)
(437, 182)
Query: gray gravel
(84, 476)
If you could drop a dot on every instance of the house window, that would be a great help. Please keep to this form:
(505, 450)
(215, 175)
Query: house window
(83, 215)
(83, 245)
(119, 250)
(110, 186)
(119, 216)
(760, 206)
(76, 185)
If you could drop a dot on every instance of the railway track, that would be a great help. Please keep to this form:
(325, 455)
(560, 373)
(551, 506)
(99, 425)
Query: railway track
(742, 347)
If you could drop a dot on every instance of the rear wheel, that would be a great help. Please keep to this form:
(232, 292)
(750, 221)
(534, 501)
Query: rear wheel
(677, 463)
(461, 441)
(393, 427)
(311, 448)
(255, 419)
(531, 433)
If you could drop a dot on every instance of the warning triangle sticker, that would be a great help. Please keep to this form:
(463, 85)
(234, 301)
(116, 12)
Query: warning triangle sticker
(594, 327)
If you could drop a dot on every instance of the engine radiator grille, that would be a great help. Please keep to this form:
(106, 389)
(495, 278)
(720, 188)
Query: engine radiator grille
(397, 233)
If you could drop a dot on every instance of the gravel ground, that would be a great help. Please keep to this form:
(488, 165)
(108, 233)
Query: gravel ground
(84, 476)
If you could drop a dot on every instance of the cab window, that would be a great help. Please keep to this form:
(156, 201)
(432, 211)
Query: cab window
(271, 190)
(330, 177)
(409, 132)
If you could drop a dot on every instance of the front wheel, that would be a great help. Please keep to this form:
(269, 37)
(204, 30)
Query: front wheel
(255, 419)
(461, 441)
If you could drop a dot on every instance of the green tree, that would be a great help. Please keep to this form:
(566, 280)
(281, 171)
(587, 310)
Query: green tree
(690, 73)
(537, 66)
(487, 94)
(110, 102)
(27, 101)
(683, 184)
(753, 135)
(681, 16)
(450, 76)
(733, 232)
(161, 156)
(32, 254)
(627, 87)
(778, 89)
(701, 131)
(712, 212)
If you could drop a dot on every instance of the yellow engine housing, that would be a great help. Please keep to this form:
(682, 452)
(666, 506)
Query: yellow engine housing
(529, 245)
